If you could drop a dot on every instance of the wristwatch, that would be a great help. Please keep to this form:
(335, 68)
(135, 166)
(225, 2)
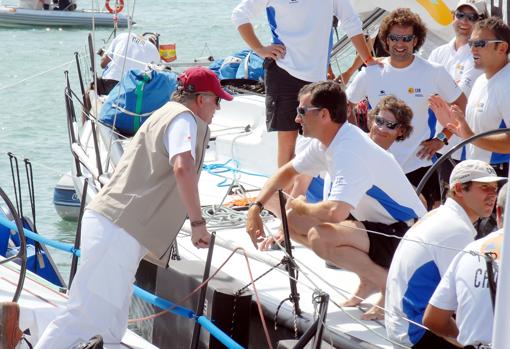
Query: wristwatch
(259, 204)
(442, 137)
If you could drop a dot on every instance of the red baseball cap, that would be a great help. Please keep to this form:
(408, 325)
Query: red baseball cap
(201, 79)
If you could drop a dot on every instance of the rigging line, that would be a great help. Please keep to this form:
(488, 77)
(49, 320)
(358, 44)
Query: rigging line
(342, 293)
(108, 154)
(35, 75)
(205, 282)
(338, 290)
(473, 253)
(334, 288)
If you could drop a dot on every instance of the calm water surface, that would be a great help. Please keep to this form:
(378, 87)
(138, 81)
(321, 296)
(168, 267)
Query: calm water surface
(32, 113)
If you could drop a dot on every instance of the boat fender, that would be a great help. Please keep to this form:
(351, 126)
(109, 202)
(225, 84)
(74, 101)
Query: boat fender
(119, 6)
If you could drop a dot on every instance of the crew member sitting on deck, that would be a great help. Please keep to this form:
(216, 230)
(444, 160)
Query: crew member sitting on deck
(420, 259)
(464, 290)
(140, 212)
(367, 183)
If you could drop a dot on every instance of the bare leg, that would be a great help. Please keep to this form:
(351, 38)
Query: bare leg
(376, 312)
(348, 248)
(365, 289)
(286, 146)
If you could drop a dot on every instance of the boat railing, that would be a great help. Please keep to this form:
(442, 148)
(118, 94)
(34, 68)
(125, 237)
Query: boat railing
(446, 156)
(141, 293)
(22, 252)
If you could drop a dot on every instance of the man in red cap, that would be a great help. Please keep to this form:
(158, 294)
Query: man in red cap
(139, 212)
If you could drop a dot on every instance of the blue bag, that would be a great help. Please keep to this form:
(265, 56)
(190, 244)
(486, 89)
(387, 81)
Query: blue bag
(245, 64)
(136, 97)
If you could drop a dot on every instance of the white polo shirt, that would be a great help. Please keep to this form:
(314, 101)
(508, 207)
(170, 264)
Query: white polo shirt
(363, 175)
(461, 67)
(417, 268)
(305, 28)
(414, 85)
(489, 108)
(129, 51)
(465, 289)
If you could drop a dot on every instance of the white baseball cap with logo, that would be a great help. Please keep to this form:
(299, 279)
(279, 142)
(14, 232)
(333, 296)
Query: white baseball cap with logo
(473, 171)
(479, 6)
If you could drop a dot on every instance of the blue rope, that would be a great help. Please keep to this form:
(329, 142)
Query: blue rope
(218, 169)
(146, 296)
(190, 314)
(39, 238)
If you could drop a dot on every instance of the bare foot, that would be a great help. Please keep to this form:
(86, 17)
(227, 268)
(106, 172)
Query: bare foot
(365, 289)
(376, 312)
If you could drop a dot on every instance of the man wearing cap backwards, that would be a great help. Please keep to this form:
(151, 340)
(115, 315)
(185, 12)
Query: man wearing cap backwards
(140, 211)
(428, 248)
(464, 290)
(457, 58)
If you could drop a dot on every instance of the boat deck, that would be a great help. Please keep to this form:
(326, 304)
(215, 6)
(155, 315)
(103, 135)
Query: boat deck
(41, 302)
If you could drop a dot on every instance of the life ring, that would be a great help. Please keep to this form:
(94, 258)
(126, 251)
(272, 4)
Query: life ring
(117, 9)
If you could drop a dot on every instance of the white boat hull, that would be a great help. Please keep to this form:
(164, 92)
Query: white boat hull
(16, 17)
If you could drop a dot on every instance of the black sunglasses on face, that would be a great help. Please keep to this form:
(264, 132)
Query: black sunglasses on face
(472, 17)
(481, 43)
(404, 38)
(303, 110)
(390, 125)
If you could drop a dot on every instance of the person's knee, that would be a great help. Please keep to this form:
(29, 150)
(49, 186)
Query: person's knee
(317, 244)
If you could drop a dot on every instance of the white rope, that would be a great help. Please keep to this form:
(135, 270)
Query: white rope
(36, 75)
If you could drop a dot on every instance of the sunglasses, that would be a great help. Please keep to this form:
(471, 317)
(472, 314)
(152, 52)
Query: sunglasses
(481, 43)
(472, 17)
(303, 110)
(217, 99)
(380, 121)
(404, 38)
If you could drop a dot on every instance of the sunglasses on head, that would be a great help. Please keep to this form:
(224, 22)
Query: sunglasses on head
(404, 38)
(380, 121)
(303, 110)
(217, 99)
(481, 43)
(472, 17)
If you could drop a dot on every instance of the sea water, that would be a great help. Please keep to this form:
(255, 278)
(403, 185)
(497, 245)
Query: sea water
(32, 111)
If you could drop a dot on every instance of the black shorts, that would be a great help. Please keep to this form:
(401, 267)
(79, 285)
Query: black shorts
(430, 340)
(382, 248)
(282, 91)
(431, 190)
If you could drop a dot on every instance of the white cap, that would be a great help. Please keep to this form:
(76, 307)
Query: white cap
(473, 171)
(479, 6)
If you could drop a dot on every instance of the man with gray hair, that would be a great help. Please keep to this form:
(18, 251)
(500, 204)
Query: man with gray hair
(464, 290)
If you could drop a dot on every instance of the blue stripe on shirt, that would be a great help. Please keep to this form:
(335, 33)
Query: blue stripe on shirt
(432, 124)
(397, 211)
(497, 158)
(271, 17)
(420, 288)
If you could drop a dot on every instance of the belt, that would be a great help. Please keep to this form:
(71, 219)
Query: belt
(478, 346)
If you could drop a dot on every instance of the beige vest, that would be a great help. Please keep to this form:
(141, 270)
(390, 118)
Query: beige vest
(142, 195)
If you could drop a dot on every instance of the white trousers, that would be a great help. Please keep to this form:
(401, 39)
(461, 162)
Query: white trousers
(101, 292)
